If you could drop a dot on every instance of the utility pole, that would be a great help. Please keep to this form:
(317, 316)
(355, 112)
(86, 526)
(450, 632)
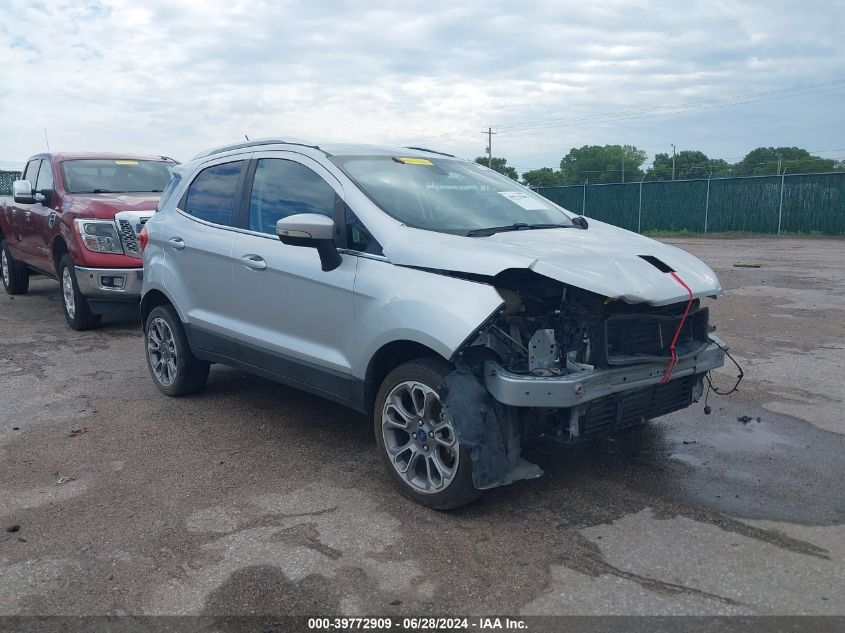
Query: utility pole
(673, 161)
(623, 166)
(489, 134)
(779, 162)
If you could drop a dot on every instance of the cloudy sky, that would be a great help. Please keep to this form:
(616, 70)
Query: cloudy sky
(173, 78)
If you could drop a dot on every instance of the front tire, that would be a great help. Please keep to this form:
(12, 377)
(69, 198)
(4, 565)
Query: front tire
(15, 275)
(417, 439)
(74, 304)
(174, 368)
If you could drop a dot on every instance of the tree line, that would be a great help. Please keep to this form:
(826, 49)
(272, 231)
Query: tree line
(624, 163)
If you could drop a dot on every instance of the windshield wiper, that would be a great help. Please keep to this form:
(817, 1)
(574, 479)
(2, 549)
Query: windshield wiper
(98, 191)
(517, 226)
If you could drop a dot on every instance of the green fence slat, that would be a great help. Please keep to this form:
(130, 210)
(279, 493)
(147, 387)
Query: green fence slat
(812, 203)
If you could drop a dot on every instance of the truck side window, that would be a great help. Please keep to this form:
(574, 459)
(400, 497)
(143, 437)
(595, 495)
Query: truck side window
(282, 188)
(358, 238)
(45, 177)
(211, 196)
(31, 171)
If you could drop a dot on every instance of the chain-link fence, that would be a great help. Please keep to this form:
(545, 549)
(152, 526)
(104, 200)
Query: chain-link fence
(6, 180)
(805, 203)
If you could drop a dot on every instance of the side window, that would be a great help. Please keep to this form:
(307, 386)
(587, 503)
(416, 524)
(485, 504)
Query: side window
(282, 188)
(31, 171)
(358, 238)
(45, 177)
(211, 196)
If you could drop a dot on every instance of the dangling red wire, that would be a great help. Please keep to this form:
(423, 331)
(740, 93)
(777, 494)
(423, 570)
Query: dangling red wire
(673, 359)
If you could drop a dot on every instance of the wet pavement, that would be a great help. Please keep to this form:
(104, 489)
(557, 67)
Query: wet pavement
(254, 498)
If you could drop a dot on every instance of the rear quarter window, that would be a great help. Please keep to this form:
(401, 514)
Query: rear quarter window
(172, 186)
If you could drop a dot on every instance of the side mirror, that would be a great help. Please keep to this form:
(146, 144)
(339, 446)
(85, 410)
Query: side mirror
(22, 192)
(580, 222)
(311, 230)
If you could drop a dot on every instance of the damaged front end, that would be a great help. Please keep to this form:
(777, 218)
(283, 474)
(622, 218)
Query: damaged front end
(561, 363)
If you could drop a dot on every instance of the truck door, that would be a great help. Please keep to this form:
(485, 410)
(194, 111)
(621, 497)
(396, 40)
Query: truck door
(41, 219)
(21, 215)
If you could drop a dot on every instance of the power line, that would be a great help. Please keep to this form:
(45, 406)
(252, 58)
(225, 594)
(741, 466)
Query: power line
(683, 108)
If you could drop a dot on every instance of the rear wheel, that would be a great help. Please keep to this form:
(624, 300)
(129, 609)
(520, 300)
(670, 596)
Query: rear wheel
(417, 439)
(15, 275)
(74, 304)
(174, 368)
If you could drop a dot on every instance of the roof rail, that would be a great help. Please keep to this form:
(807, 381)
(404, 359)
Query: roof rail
(255, 143)
(431, 151)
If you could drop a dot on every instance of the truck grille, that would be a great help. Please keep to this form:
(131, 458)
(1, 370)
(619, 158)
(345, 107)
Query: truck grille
(129, 236)
(612, 413)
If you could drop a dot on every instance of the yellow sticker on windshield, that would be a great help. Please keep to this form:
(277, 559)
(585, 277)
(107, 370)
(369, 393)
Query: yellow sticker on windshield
(412, 161)
(126, 162)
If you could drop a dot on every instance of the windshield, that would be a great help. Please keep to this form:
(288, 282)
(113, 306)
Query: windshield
(448, 195)
(116, 176)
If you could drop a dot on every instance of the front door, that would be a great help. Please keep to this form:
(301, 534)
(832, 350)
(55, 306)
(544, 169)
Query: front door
(296, 319)
(40, 221)
(22, 222)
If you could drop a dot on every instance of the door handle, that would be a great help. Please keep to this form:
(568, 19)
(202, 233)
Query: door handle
(177, 242)
(254, 261)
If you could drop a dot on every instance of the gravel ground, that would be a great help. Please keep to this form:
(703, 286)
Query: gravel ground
(254, 498)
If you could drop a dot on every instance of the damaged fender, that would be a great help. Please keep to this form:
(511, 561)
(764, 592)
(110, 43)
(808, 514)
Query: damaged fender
(487, 429)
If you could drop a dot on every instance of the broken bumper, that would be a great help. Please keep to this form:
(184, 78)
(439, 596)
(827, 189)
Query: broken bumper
(571, 390)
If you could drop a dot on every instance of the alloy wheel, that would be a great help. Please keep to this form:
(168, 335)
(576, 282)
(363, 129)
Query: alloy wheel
(67, 292)
(161, 349)
(4, 263)
(419, 437)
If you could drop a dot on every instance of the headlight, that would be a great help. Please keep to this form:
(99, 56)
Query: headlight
(100, 236)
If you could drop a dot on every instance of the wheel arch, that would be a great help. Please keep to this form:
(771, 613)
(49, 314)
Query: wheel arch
(60, 249)
(151, 300)
(387, 358)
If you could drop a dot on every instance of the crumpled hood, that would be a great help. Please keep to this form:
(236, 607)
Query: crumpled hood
(103, 206)
(603, 259)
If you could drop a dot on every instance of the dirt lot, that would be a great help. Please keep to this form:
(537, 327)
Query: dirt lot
(254, 498)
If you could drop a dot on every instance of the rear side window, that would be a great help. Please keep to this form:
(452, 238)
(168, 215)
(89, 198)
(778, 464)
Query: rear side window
(211, 196)
(282, 188)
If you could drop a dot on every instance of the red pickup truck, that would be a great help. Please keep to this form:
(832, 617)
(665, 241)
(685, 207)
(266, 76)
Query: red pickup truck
(76, 218)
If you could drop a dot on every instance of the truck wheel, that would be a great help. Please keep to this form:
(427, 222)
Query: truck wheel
(15, 275)
(74, 304)
(417, 438)
(174, 368)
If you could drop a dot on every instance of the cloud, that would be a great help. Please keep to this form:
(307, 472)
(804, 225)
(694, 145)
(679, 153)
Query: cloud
(173, 78)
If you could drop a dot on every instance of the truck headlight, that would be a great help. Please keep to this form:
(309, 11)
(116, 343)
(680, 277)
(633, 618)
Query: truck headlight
(100, 236)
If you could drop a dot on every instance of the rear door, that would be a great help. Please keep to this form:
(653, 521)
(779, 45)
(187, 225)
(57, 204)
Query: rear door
(197, 241)
(296, 320)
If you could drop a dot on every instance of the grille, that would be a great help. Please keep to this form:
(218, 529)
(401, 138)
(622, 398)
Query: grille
(639, 337)
(627, 409)
(129, 237)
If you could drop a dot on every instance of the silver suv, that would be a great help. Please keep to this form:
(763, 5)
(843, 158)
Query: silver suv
(465, 313)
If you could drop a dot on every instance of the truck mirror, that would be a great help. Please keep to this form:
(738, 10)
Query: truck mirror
(22, 192)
